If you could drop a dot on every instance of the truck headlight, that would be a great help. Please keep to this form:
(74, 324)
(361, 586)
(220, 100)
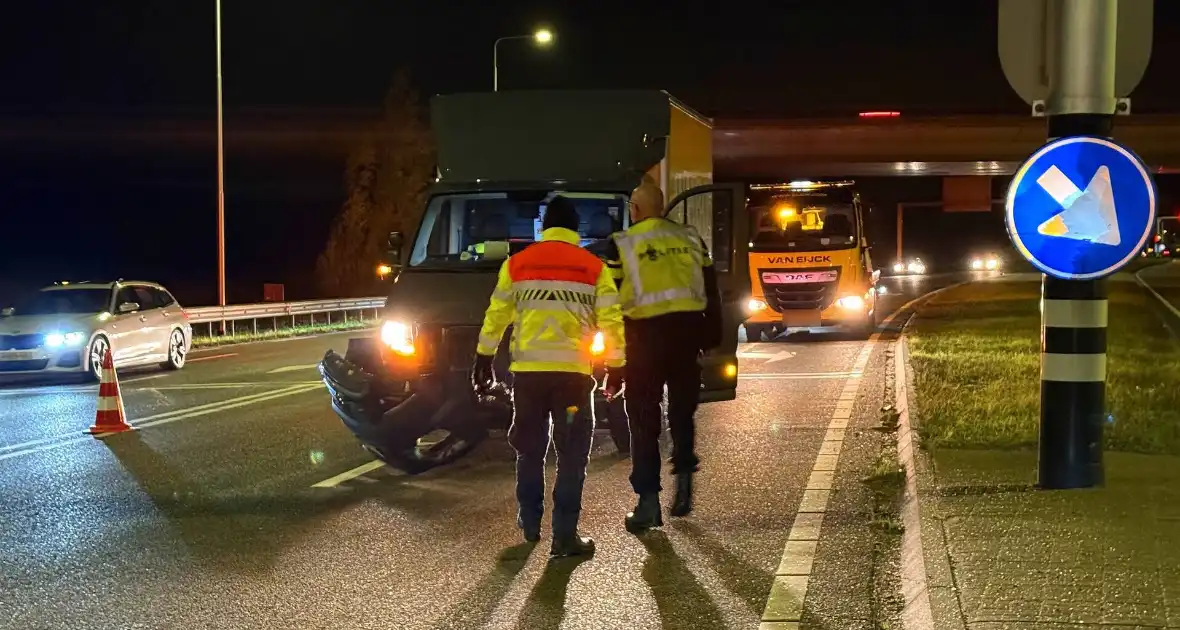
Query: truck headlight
(851, 303)
(917, 267)
(993, 264)
(398, 336)
(898, 268)
(977, 264)
(755, 305)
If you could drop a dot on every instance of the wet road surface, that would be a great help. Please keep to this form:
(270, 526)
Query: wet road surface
(207, 516)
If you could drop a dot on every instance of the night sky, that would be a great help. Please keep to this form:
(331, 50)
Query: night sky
(107, 125)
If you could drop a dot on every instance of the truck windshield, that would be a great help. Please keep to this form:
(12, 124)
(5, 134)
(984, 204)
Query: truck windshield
(466, 229)
(804, 225)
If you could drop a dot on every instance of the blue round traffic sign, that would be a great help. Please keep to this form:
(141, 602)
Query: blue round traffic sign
(1081, 207)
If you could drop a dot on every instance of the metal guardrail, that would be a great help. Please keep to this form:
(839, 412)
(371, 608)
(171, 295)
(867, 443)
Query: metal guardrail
(309, 309)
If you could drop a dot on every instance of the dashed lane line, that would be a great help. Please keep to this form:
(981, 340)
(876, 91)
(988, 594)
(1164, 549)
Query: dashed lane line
(58, 441)
(212, 357)
(784, 606)
(349, 475)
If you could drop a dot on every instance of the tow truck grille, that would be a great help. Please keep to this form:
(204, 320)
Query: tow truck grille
(801, 295)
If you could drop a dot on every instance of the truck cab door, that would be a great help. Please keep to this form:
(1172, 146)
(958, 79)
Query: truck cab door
(718, 212)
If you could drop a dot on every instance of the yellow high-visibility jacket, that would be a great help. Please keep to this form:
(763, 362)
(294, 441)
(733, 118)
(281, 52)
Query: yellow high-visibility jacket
(661, 268)
(555, 295)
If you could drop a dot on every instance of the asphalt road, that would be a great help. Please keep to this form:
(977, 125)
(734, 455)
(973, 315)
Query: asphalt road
(207, 517)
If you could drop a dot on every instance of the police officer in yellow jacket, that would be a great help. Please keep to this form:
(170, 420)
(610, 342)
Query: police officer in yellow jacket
(671, 313)
(555, 295)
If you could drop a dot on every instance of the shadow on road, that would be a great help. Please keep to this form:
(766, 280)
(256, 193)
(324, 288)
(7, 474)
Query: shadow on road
(545, 608)
(245, 533)
(750, 583)
(478, 605)
(681, 600)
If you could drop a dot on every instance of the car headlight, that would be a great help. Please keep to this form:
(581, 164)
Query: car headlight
(70, 339)
(398, 337)
(755, 305)
(598, 344)
(917, 267)
(977, 264)
(993, 264)
(898, 267)
(851, 302)
(882, 289)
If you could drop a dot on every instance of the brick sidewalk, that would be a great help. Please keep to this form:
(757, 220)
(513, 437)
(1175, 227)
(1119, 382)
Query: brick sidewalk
(1028, 559)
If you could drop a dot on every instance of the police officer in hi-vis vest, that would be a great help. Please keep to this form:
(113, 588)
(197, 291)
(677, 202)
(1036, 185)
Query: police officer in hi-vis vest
(671, 313)
(555, 295)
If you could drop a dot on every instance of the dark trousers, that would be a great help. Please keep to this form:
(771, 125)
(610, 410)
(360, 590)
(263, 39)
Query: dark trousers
(536, 397)
(662, 351)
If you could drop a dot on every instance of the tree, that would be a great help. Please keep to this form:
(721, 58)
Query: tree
(385, 181)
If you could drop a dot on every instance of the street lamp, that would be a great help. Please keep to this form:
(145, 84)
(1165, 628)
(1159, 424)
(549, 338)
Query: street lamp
(220, 173)
(542, 37)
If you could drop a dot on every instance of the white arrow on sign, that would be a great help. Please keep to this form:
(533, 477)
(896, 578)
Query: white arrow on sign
(1087, 215)
(770, 357)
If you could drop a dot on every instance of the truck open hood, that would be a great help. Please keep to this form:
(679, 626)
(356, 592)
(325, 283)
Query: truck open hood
(441, 297)
(568, 135)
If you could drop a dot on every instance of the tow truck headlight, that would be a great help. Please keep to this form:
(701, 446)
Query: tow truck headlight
(898, 267)
(977, 264)
(916, 267)
(755, 305)
(398, 337)
(992, 264)
(851, 303)
(598, 344)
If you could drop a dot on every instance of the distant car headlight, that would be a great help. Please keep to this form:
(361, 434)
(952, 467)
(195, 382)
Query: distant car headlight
(851, 303)
(977, 264)
(398, 336)
(898, 267)
(70, 339)
(993, 264)
(882, 289)
(755, 305)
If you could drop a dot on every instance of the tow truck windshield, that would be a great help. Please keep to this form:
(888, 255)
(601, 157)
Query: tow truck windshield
(466, 229)
(804, 224)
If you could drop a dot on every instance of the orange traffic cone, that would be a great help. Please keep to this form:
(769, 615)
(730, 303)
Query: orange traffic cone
(110, 417)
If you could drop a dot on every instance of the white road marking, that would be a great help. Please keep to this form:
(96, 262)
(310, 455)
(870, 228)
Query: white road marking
(771, 357)
(350, 474)
(44, 444)
(294, 368)
(788, 376)
(213, 356)
(784, 606)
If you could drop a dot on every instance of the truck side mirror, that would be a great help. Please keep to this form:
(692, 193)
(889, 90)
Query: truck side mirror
(396, 241)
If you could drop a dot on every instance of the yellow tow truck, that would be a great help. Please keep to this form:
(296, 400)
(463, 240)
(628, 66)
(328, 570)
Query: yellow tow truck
(809, 260)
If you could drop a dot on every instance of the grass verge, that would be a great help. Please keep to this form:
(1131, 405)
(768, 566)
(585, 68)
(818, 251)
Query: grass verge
(975, 353)
(281, 333)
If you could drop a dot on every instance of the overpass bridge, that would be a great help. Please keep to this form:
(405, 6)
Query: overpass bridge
(923, 146)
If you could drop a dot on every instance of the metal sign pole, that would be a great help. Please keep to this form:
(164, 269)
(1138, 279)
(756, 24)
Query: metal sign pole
(1074, 312)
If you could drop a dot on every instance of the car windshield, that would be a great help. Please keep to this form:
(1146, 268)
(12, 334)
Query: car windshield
(465, 229)
(803, 224)
(65, 302)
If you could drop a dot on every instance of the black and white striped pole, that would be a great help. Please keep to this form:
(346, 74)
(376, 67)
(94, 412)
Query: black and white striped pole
(1080, 208)
(1081, 102)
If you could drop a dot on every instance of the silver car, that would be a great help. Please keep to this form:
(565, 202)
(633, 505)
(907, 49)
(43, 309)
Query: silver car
(67, 328)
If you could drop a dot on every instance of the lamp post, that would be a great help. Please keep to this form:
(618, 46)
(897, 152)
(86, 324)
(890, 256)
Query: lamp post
(220, 173)
(543, 37)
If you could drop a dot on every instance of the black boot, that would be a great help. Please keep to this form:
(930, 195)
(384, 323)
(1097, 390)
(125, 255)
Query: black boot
(682, 502)
(576, 545)
(646, 514)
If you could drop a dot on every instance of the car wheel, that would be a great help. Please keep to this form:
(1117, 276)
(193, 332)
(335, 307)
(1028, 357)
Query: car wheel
(98, 350)
(177, 351)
